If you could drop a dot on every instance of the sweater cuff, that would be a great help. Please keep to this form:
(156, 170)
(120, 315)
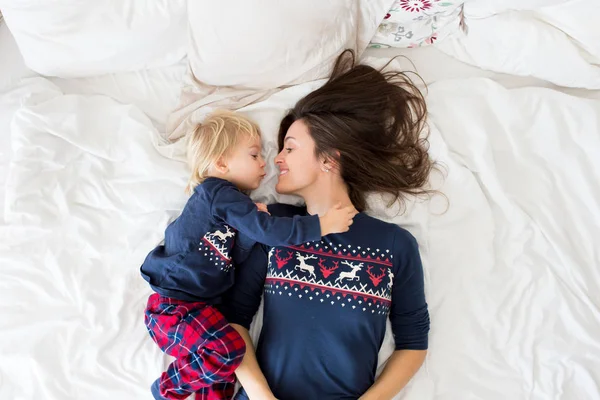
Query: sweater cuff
(418, 344)
(411, 332)
(233, 317)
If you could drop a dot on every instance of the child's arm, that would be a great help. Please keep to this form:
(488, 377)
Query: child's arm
(239, 211)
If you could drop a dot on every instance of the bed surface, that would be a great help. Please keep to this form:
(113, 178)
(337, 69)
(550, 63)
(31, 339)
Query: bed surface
(512, 275)
(154, 92)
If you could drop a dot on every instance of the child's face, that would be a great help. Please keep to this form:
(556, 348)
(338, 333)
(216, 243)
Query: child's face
(246, 164)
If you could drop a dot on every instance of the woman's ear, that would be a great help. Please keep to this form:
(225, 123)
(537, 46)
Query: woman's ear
(328, 163)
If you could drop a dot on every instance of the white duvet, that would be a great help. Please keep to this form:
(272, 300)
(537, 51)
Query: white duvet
(554, 40)
(512, 265)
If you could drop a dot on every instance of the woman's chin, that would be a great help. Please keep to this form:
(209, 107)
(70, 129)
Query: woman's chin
(281, 188)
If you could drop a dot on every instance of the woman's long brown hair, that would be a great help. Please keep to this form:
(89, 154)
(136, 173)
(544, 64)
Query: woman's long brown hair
(371, 122)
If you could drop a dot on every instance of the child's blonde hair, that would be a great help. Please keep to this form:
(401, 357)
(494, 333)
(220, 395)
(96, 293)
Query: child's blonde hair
(214, 138)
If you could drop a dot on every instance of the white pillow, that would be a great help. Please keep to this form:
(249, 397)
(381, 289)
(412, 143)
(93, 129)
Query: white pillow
(269, 43)
(74, 38)
(486, 8)
(12, 67)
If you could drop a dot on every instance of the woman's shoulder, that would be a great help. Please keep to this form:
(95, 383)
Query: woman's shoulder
(400, 235)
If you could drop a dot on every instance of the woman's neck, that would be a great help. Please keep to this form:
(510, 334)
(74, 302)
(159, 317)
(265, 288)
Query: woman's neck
(321, 198)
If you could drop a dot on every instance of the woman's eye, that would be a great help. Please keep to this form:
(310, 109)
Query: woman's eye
(288, 149)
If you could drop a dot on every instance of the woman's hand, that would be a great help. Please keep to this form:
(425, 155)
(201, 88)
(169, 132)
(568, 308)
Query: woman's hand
(400, 368)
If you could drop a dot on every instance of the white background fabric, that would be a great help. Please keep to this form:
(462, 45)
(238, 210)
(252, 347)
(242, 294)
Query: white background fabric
(554, 40)
(512, 268)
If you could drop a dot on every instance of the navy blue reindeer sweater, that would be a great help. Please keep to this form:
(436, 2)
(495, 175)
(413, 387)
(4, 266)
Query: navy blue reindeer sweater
(326, 305)
(195, 262)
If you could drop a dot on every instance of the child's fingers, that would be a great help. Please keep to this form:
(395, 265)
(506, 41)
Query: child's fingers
(262, 207)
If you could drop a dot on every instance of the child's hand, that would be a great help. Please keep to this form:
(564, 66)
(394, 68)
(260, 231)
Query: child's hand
(262, 207)
(337, 219)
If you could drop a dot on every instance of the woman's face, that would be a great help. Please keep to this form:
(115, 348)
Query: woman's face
(298, 166)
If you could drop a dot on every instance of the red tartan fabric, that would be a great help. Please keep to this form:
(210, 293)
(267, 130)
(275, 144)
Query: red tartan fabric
(206, 348)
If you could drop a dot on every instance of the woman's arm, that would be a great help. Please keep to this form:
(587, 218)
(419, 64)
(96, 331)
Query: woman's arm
(410, 320)
(249, 373)
(240, 305)
(400, 368)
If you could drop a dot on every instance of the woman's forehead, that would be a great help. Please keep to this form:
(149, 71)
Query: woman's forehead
(298, 131)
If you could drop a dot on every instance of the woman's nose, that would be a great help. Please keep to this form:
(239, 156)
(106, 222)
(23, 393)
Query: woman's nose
(279, 158)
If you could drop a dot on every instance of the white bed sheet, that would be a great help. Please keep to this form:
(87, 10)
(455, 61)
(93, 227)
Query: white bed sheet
(155, 92)
(433, 65)
(12, 70)
(558, 40)
(511, 268)
(13, 66)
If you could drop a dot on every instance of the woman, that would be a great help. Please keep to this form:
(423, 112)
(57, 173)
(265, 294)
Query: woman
(326, 303)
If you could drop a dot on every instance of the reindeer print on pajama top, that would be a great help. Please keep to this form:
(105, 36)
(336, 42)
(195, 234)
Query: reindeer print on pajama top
(217, 245)
(329, 274)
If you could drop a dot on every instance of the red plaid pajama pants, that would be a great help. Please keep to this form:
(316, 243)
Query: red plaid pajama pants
(206, 348)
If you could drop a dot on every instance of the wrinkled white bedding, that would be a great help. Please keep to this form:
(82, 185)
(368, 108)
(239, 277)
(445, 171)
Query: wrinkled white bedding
(554, 40)
(511, 267)
(86, 194)
(12, 70)
(154, 92)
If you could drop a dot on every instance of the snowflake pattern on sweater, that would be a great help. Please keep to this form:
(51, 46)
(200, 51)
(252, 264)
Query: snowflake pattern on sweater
(333, 274)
